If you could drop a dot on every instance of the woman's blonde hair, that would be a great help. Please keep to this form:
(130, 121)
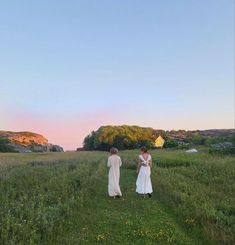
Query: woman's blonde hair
(113, 150)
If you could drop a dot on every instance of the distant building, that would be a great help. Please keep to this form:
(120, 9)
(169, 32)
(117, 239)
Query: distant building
(159, 142)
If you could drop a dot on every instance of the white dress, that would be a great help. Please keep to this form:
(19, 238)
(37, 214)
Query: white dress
(114, 164)
(143, 183)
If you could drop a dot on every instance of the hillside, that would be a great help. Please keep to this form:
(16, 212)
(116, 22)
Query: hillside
(132, 137)
(28, 142)
(184, 134)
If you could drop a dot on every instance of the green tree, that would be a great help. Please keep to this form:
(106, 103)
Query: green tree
(233, 139)
(198, 139)
(122, 137)
(170, 144)
(4, 145)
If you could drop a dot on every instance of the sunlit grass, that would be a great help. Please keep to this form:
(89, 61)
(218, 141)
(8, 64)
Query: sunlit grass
(61, 198)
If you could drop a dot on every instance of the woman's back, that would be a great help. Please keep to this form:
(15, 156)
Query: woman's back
(145, 159)
(143, 183)
(114, 161)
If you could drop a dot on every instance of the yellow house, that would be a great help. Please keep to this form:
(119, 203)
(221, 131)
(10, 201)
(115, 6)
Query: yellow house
(159, 142)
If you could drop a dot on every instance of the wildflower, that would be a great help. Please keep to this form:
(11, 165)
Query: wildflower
(100, 237)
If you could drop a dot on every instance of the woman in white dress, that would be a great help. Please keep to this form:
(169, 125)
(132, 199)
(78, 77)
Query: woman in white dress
(143, 183)
(114, 164)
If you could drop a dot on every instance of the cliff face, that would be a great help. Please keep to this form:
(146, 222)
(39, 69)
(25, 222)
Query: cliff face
(24, 138)
(29, 142)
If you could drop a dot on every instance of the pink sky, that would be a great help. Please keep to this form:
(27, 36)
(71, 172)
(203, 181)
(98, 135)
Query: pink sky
(69, 131)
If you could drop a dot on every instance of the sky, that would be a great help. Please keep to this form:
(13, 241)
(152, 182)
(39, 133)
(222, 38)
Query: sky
(69, 66)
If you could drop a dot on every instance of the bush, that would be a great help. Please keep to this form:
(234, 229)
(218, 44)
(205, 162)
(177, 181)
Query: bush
(185, 146)
(222, 151)
(233, 139)
(170, 144)
(5, 147)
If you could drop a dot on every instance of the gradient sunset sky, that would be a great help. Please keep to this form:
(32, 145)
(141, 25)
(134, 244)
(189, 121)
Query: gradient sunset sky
(68, 67)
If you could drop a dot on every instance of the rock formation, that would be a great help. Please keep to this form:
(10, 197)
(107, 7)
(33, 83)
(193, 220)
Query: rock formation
(29, 142)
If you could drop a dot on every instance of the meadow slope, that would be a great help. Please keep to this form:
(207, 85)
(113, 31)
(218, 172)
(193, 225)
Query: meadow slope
(61, 198)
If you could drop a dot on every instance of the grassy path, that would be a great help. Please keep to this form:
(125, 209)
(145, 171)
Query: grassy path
(129, 220)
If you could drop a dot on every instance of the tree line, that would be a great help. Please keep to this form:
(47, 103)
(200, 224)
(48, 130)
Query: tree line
(133, 137)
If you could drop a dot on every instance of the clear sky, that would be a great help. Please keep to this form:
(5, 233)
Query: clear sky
(68, 67)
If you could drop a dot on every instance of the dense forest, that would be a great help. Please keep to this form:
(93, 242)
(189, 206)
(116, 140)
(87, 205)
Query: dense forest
(132, 137)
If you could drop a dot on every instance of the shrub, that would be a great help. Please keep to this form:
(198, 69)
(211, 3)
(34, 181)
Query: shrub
(233, 139)
(171, 144)
(5, 147)
(222, 151)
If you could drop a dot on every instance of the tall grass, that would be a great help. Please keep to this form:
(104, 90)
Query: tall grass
(199, 187)
(60, 198)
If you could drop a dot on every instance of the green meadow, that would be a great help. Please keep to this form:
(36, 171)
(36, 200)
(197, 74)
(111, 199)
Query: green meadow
(61, 198)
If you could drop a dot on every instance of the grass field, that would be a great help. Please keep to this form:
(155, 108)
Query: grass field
(61, 198)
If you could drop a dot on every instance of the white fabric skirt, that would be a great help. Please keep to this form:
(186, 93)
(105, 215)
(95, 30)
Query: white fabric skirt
(113, 186)
(143, 183)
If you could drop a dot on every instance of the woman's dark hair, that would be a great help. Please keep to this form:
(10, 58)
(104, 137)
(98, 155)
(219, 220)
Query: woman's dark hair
(113, 150)
(144, 149)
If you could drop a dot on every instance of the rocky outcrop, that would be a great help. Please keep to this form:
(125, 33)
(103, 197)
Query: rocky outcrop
(24, 138)
(29, 142)
(20, 148)
(56, 148)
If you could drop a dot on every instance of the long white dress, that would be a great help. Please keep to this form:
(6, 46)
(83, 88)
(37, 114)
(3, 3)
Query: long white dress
(143, 183)
(114, 164)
